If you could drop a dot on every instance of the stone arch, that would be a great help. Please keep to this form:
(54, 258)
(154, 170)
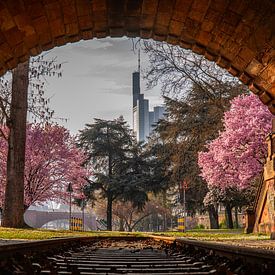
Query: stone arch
(239, 35)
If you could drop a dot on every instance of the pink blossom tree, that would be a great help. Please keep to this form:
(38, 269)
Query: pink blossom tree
(52, 162)
(237, 156)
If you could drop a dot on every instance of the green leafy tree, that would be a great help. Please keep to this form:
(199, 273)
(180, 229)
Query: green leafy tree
(108, 143)
(196, 93)
(122, 170)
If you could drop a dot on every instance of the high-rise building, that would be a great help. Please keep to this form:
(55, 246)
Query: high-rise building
(155, 116)
(136, 87)
(143, 119)
(151, 121)
(140, 111)
(158, 113)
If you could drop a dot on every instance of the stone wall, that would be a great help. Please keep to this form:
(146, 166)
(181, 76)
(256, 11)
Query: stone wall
(238, 35)
(261, 218)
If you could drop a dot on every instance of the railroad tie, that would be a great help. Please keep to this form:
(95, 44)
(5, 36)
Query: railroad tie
(126, 261)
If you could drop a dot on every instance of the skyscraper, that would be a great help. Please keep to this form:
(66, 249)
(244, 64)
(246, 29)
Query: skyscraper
(140, 110)
(157, 114)
(143, 120)
(151, 121)
(136, 87)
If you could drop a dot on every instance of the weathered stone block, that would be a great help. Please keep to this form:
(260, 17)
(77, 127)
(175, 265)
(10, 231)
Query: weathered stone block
(149, 7)
(83, 8)
(203, 37)
(175, 28)
(198, 10)
(181, 10)
(72, 29)
(14, 36)
(57, 27)
(6, 20)
(199, 49)
(245, 78)
(207, 25)
(233, 71)
(265, 97)
(254, 67)
(85, 23)
(223, 62)
(69, 14)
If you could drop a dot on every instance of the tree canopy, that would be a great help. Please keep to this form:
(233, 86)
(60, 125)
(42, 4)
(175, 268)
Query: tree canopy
(196, 93)
(121, 167)
(52, 162)
(237, 155)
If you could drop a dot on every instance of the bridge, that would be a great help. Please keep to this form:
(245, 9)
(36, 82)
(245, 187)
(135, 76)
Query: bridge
(37, 219)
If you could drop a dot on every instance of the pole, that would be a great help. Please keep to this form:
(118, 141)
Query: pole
(83, 217)
(157, 222)
(70, 190)
(184, 210)
(70, 211)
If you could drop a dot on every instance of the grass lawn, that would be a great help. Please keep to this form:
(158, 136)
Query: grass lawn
(41, 234)
(216, 235)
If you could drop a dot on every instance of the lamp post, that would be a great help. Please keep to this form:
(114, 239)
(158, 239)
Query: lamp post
(157, 218)
(70, 191)
(83, 204)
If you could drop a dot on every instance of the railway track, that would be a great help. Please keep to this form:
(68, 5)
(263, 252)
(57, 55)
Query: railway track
(129, 255)
(127, 261)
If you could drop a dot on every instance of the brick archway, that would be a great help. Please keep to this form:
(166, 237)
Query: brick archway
(239, 35)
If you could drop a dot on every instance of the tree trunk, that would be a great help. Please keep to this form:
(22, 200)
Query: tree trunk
(228, 216)
(236, 217)
(121, 224)
(213, 217)
(13, 215)
(130, 228)
(109, 212)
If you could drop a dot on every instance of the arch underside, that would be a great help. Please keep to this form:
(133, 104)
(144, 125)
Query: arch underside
(239, 35)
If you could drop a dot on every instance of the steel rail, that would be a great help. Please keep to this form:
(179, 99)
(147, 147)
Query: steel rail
(263, 259)
(221, 248)
(44, 245)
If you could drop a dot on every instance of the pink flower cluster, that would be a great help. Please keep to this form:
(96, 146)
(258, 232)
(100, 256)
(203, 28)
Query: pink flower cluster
(238, 154)
(52, 162)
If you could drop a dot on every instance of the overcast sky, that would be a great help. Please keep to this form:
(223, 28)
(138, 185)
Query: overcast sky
(96, 82)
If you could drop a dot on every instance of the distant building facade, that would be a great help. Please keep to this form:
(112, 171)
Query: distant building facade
(144, 120)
